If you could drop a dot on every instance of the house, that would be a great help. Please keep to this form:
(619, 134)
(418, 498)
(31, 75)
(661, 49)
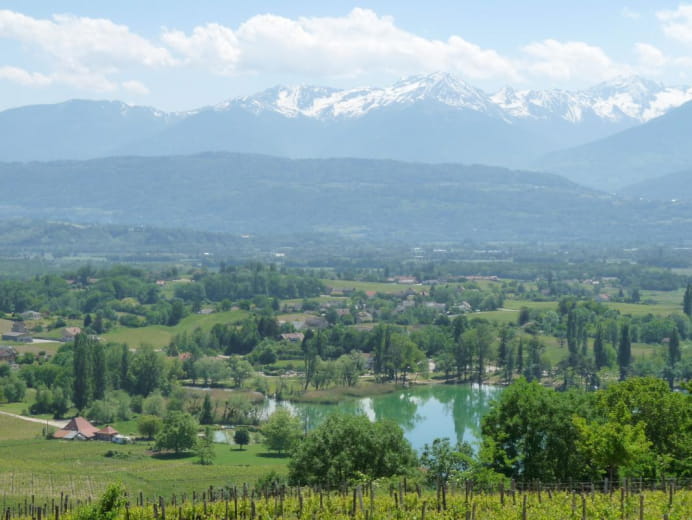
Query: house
(78, 428)
(316, 322)
(293, 337)
(18, 326)
(365, 317)
(7, 353)
(69, 333)
(31, 315)
(106, 434)
(18, 337)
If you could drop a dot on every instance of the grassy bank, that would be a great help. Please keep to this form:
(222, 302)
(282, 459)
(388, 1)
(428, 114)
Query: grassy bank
(338, 394)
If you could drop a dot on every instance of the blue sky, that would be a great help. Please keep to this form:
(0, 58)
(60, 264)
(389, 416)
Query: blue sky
(180, 55)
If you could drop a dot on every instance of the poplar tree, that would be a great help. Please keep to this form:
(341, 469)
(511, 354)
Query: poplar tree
(624, 352)
(599, 354)
(687, 301)
(82, 365)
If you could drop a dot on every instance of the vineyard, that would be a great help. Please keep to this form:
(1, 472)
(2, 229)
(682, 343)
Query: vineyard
(371, 502)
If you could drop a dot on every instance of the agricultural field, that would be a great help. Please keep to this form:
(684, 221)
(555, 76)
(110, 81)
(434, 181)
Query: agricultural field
(384, 502)
(159, 336)
(380, 287)
(31, 465)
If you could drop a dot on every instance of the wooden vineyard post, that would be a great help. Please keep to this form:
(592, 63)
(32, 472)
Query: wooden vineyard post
(523, 508)
(641, 505)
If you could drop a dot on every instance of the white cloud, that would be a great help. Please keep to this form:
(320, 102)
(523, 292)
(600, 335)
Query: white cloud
(677, 24)
(82, 79)
(627, 12)
(359, 43)
(566, 61)
(83, 52)
(135, 87)
(649, 57)
(212, 45)
(24, 77)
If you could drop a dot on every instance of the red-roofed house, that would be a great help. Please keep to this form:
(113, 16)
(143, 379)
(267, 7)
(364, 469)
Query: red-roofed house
(106, 434)
(78, 428)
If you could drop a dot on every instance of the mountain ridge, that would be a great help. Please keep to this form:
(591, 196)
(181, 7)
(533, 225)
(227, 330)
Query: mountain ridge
(431, 118)
(381, 200)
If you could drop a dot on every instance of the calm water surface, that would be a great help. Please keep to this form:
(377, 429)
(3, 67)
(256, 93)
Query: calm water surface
(424, 413)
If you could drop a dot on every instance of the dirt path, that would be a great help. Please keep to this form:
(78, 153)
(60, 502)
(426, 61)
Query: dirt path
(56, 424)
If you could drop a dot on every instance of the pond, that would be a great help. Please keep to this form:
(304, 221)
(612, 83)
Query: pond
(423, 412)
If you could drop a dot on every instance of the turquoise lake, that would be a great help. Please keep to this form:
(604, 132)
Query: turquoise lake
(423, 412)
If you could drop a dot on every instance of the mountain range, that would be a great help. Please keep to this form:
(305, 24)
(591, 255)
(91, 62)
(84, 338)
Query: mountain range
(377, 200)
(434, 118)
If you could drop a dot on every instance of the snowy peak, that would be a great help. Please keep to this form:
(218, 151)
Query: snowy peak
(627, 100)
(637, 98)
(324, 103)
(288, 101)
(633, 99)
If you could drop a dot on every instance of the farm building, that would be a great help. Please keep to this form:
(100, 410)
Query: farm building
(78, 428)
(19, 337)
(69, 333)
(8, 354)
(106, 434)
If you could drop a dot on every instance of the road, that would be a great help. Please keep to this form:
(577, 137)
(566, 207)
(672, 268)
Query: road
(56, 424)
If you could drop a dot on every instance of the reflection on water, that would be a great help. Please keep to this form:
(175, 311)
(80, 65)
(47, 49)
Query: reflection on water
(424, 413)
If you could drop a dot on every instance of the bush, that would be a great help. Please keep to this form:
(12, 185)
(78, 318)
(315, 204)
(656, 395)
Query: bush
(270, 482)
(345, 448)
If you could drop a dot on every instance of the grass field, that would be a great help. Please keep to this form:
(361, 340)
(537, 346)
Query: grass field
(381, 287)
(159, 336)
(30, 465)
(16, 429)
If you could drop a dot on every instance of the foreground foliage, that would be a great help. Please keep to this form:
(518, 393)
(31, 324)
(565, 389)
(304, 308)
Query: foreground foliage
(388, 502)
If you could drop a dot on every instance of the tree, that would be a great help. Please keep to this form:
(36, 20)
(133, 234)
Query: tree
(99, 370)
(687, 301)
(529, 434)
(241, 437)
(149, 425)
(674, 354)
(665, 415)
(599, 353)
(624, 352)
(179, 432)
(443, 462)
(177, 312)
(83, 372)
(240, 370)
(611, 446)
(534, 367)
(146, 370)
(205, 447)
(281, 431)
(347, 447)
(207, 414)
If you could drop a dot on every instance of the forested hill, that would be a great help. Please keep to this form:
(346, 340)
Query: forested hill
(376, 199)
(674, 186)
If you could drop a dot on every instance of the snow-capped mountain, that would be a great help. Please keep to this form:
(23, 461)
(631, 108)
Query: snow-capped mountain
(428, 118)
(633, 99)
(325, 103)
